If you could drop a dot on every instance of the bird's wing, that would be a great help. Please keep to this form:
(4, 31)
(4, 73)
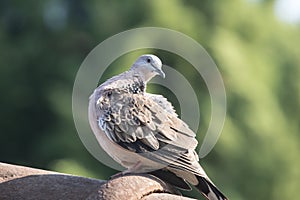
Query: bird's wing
(163, 102)
(141, 124)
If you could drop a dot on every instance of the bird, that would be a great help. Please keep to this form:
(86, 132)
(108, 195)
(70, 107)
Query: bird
(142, 132)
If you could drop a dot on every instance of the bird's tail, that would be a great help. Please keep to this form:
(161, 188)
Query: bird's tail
(209, 190)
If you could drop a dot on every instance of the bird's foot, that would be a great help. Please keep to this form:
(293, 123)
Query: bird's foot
(133, 169)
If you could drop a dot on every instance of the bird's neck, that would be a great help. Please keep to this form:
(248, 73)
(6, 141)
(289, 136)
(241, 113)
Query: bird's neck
(143, 75)
(136, 85)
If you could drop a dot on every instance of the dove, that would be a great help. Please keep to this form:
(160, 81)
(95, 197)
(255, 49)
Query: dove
(143, 133)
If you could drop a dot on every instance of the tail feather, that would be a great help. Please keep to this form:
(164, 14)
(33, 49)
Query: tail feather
(209, 190)
(171, 178)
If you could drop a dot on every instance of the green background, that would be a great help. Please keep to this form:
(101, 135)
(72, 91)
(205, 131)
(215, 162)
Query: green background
(43, 43)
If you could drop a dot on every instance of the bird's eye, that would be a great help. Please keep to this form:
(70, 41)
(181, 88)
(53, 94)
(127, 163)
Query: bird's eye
(148, 60)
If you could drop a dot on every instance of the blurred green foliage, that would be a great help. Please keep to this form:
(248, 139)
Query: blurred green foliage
(44, 42)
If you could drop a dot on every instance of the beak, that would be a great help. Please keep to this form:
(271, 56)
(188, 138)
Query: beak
(160, 72)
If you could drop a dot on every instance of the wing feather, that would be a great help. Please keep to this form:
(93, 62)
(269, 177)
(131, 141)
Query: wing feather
(148, 124)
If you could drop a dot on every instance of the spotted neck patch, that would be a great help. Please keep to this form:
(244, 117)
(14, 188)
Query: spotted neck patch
(137, 86)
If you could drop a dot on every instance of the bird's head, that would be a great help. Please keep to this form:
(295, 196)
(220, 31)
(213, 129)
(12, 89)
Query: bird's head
(147, 66)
